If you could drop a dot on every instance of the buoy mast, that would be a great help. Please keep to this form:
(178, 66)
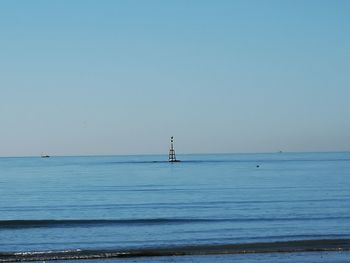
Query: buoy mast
(172, 156)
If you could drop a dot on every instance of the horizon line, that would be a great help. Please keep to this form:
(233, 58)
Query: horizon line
(179, 154)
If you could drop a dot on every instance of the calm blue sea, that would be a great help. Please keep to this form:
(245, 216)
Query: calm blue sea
(135, 202)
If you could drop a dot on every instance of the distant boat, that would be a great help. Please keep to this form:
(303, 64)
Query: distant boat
(45, 156)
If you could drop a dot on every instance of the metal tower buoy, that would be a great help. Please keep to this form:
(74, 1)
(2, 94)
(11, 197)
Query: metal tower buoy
(172, 156)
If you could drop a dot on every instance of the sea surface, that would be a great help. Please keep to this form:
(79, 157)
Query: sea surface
(95, 205)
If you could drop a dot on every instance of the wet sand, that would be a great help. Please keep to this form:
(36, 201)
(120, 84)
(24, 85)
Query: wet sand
(328, 245)
(305, 257)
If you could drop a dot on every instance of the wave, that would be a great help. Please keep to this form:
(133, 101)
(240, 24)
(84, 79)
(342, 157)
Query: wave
(92, 222)
(267, 247)
(262, 160)
(62, 223)
(168, 204)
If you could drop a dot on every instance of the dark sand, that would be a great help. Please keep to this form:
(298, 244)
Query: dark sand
(251, 248)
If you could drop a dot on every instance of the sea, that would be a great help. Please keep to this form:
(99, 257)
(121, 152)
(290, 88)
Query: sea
(269, 207)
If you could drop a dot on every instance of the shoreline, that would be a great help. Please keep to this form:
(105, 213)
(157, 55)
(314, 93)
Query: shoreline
(325, 245)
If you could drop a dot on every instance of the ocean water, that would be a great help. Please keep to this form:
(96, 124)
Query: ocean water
(133, 203)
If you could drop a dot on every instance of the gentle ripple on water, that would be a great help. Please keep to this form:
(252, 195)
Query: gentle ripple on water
(128, 202)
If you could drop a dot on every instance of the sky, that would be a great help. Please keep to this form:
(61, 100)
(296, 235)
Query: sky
(106, 77)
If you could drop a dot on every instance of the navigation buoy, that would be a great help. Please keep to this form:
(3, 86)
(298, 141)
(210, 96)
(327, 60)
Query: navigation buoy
(172, 156)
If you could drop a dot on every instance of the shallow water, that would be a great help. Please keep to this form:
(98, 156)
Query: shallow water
(132, 202)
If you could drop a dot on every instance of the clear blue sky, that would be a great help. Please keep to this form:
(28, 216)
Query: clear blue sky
(121, 77)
